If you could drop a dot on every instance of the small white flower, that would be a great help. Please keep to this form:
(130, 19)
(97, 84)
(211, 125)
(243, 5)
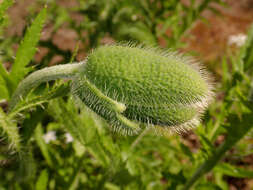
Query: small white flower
(134, 17)
(49, 136)
(68, 137)
(238, 39)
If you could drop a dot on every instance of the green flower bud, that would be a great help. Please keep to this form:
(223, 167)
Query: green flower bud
(134, 87)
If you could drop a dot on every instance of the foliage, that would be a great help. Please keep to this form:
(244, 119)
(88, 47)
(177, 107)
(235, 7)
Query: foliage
(24, 55)
(27, 48)
(3, 7)
(98, 158)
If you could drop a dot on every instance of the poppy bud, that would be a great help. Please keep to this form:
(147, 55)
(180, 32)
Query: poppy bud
(134, 87)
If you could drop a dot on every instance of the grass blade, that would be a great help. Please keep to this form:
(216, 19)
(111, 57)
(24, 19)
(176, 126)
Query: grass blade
(41, 183)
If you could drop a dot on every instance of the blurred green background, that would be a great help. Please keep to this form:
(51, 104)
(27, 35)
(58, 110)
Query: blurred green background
(51, 142)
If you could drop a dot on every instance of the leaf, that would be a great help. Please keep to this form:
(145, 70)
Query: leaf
(4, 92)
(186, 151)
(61, 112)
(111, 186)
(3, 7)
(27, 47)
(42, 181)
(238, 128)
(80, 125)
(43, 147)
(75, 178)
(137, 31)
(27, 166)
(30, 124)
(38, 100)
(246, 53)
(10, 130)
(207, 186)
(234, 171)
(208, 148)
(3, 85)
(9, 84)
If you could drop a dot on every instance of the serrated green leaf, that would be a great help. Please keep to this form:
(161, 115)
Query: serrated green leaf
(234, 171)
(27, 48)
(41, 183)
(10, 86)
(38, 100)
(4, 93)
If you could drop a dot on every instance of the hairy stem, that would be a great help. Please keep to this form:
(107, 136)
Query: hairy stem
(10, 130)
(43, 75)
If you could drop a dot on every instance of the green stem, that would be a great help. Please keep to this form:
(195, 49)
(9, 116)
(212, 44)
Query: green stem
(207, 166)
(43, 75)
(239, 127)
